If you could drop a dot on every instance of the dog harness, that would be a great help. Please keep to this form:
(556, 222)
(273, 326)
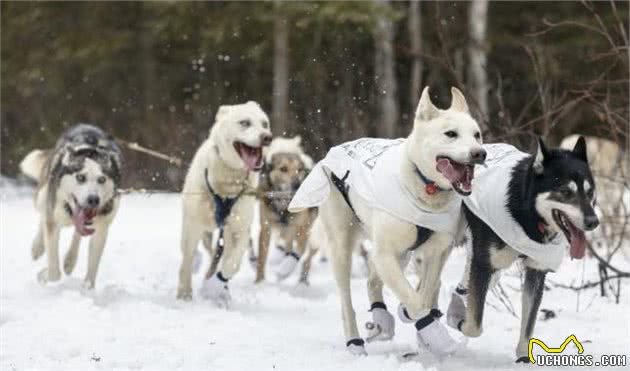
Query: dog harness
(371, 167)
(222, 209)
(489, 202)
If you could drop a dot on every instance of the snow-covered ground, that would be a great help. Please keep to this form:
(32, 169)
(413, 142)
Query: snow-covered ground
(132, 320)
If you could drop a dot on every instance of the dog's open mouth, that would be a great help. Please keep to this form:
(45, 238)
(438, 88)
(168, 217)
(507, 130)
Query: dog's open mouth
(460, 175)
(83, 219)
(574, 235)
(251, 156)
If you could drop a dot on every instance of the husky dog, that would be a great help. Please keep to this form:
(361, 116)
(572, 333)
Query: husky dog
(286, 166)
(402, 194)
(77, 185)
(531, 209)
(223, 168)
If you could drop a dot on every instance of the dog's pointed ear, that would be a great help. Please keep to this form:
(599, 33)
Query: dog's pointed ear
(458, 101)
(580, 149)
(541, 156)
(223, 110)
(426, 110)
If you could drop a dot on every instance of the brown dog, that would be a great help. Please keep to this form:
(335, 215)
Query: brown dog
(285, 168)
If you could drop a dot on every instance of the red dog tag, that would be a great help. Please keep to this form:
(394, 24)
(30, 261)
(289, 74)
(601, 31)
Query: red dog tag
(431, 188)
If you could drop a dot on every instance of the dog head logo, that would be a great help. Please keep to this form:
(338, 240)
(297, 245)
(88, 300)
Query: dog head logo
(547, 349)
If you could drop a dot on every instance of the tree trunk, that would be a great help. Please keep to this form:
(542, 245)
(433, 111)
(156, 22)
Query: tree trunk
(477, 24)
(280, 101)
(414, 27)
(385, 75)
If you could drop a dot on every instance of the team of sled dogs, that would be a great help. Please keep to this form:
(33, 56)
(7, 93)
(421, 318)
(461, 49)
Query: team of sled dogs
(415, 198)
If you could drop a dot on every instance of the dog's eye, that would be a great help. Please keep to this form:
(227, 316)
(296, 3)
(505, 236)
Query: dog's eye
(566, 193)
(284, 169)
(451, 134)
(80, 178)
(477, 135)
(245, 123)
(265, 124)
(101, 180)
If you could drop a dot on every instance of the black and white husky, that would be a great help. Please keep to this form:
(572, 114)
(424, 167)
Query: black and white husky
(77, 185)
(527, 208)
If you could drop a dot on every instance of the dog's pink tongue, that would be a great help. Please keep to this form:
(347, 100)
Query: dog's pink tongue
(578, 242)
(79, 218)
(251, 157)
(450, 172)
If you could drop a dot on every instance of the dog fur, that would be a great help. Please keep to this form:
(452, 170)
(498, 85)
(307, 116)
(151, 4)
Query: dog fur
(77, 183)
(285, 168)
(220, 170)
(453, 133)
(542, 187)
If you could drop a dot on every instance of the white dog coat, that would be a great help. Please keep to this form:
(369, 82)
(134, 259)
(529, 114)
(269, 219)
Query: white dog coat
(489, 200)
(373, 168)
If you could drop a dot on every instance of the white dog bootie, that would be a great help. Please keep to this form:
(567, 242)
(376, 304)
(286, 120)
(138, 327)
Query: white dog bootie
(434, 336)
(356, 347)
(287, 265)
(383, 325)
(216, 289)
(456, 312)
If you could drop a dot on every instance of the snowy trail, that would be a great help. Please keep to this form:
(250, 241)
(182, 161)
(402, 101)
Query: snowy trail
(132, 320)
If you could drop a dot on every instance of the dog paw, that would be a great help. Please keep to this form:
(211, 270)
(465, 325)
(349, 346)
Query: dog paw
(45, 276)
(184, 294)
(69, 263)
(471, 330)
(456, 312)
(382, 327)
(286, 266)
(356, 347)
(436, 338)
(403, 314)
(216, 289)
(88, 285)
(37, 250)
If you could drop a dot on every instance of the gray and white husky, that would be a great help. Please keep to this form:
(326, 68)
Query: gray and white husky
(529, 208)
(77, 186)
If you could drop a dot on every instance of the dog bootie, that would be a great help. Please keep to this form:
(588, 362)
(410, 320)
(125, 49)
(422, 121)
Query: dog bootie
(216, 289)
(287, 265)
(456, 312)
(383, 325)
(356, 347)
(434, 336)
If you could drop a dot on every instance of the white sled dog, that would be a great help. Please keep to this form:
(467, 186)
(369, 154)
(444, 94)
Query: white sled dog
(77, 185)
(223, 168)
(402, 194)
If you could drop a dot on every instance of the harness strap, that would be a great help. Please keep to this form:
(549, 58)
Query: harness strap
(343, 188)
(222, 209)
(422, 235)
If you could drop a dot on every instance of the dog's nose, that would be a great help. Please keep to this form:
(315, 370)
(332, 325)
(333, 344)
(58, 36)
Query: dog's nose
(591, 222)
(92, 201)
(265, 139)
(478, 156)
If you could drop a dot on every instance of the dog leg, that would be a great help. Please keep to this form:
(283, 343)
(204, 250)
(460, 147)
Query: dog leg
(70, 260)
(533, 287)
(216, 288)
(263, 249)
(37, 247)
(51, 242)
(478, 284)
(97, 245)
(191, 234)
(383, 325)
(306, 266)
(456, 311)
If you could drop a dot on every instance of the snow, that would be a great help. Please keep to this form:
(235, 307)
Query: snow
(133, 321)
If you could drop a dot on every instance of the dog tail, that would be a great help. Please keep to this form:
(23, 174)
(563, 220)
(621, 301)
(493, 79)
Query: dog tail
(33, 164)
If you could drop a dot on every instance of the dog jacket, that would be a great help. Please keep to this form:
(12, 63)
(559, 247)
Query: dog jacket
(489, 200)
(371, 168)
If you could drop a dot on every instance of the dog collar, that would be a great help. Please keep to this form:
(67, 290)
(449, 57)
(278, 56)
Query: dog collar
(429, 185)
